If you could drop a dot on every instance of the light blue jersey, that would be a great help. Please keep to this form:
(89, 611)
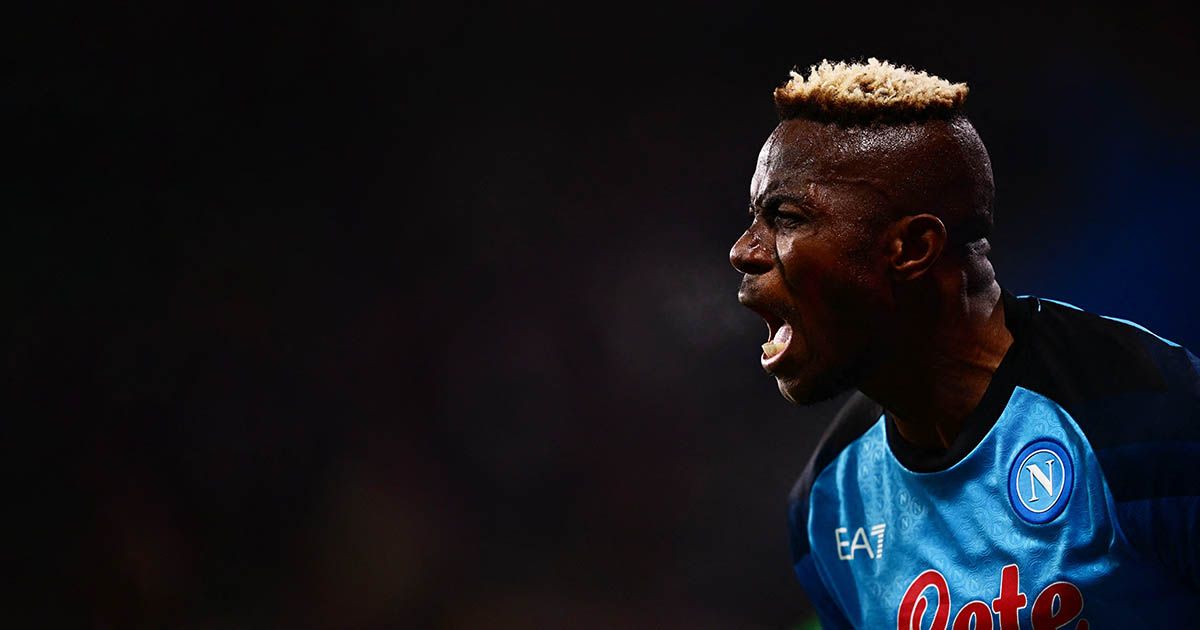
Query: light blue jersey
(1071, 499)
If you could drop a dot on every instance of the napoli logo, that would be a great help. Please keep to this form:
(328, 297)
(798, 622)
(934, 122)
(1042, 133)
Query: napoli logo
(1039, 484)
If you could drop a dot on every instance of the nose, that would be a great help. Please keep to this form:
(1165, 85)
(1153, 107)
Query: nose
(749, 255)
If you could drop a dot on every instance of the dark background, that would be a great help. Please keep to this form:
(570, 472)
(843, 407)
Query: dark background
(377, 316)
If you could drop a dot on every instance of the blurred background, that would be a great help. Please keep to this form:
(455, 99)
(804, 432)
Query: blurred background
(421, 316)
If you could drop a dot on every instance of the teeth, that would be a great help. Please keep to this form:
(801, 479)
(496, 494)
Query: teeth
(772, 348)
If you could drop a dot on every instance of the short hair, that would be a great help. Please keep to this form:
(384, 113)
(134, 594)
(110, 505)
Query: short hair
(875, 91)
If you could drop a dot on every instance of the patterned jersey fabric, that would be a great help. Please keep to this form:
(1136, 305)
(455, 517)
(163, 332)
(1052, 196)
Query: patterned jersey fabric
(1071, 499)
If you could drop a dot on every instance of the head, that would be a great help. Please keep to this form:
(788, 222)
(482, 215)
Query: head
(872, 191)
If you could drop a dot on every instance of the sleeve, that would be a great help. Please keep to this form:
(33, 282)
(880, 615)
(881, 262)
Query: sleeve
(1148, 445)
(856, 416)
(831, 616)
(1164, 529)
(1155, 480)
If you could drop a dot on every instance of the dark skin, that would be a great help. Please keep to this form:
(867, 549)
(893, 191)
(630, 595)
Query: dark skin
(867, 257)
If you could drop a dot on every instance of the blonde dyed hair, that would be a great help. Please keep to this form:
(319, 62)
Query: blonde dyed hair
(871, 91)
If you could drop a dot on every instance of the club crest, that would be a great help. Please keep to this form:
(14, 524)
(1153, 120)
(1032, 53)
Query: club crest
(1039, 484)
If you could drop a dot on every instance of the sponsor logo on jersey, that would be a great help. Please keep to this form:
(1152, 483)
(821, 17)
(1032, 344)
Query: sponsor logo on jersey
(1039, 484)
(848, 545)
(929, 595)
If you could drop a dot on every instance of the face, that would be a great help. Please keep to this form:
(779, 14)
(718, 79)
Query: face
(813, 258)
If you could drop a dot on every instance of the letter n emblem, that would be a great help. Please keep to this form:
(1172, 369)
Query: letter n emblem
(1039, 484)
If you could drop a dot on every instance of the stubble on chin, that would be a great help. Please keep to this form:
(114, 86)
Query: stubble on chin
(819, 389)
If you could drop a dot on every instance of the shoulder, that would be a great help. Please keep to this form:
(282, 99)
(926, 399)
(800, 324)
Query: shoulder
(1083, 355)
(1136, 398)
(856, 416)
(1134, 395)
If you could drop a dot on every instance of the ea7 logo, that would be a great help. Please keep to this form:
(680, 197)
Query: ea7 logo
(859, 542)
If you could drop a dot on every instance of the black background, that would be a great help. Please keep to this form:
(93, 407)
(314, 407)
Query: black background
(380, 316)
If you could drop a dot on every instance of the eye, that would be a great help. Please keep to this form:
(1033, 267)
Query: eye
(786, 215)
(790, 219)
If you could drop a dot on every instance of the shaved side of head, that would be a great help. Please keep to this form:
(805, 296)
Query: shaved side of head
(939, 167)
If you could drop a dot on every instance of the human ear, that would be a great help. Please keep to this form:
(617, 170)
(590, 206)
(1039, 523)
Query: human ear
(915, 243)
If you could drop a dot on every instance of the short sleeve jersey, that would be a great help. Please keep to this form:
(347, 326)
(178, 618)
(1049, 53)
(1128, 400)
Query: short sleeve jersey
(1071, 499)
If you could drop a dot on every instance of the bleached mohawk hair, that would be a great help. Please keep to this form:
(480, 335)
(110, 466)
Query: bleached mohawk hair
(875, 91)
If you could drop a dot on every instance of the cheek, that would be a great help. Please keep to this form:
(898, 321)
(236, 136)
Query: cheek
(812, 270)
(801, 269)
(832, 290)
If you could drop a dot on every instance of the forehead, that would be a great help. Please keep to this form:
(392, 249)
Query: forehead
(801, 152)
(798, 152)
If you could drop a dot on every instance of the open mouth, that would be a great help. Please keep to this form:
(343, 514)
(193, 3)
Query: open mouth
(779, 335)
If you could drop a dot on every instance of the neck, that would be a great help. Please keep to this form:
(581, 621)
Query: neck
(934, 379)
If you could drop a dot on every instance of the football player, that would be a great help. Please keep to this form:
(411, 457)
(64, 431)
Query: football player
(1006, 462)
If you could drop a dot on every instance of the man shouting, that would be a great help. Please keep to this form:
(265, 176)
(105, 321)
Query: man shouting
(1007, 462)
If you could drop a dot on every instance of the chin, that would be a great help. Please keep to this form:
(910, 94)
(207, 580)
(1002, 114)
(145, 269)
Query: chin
(813, 390)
